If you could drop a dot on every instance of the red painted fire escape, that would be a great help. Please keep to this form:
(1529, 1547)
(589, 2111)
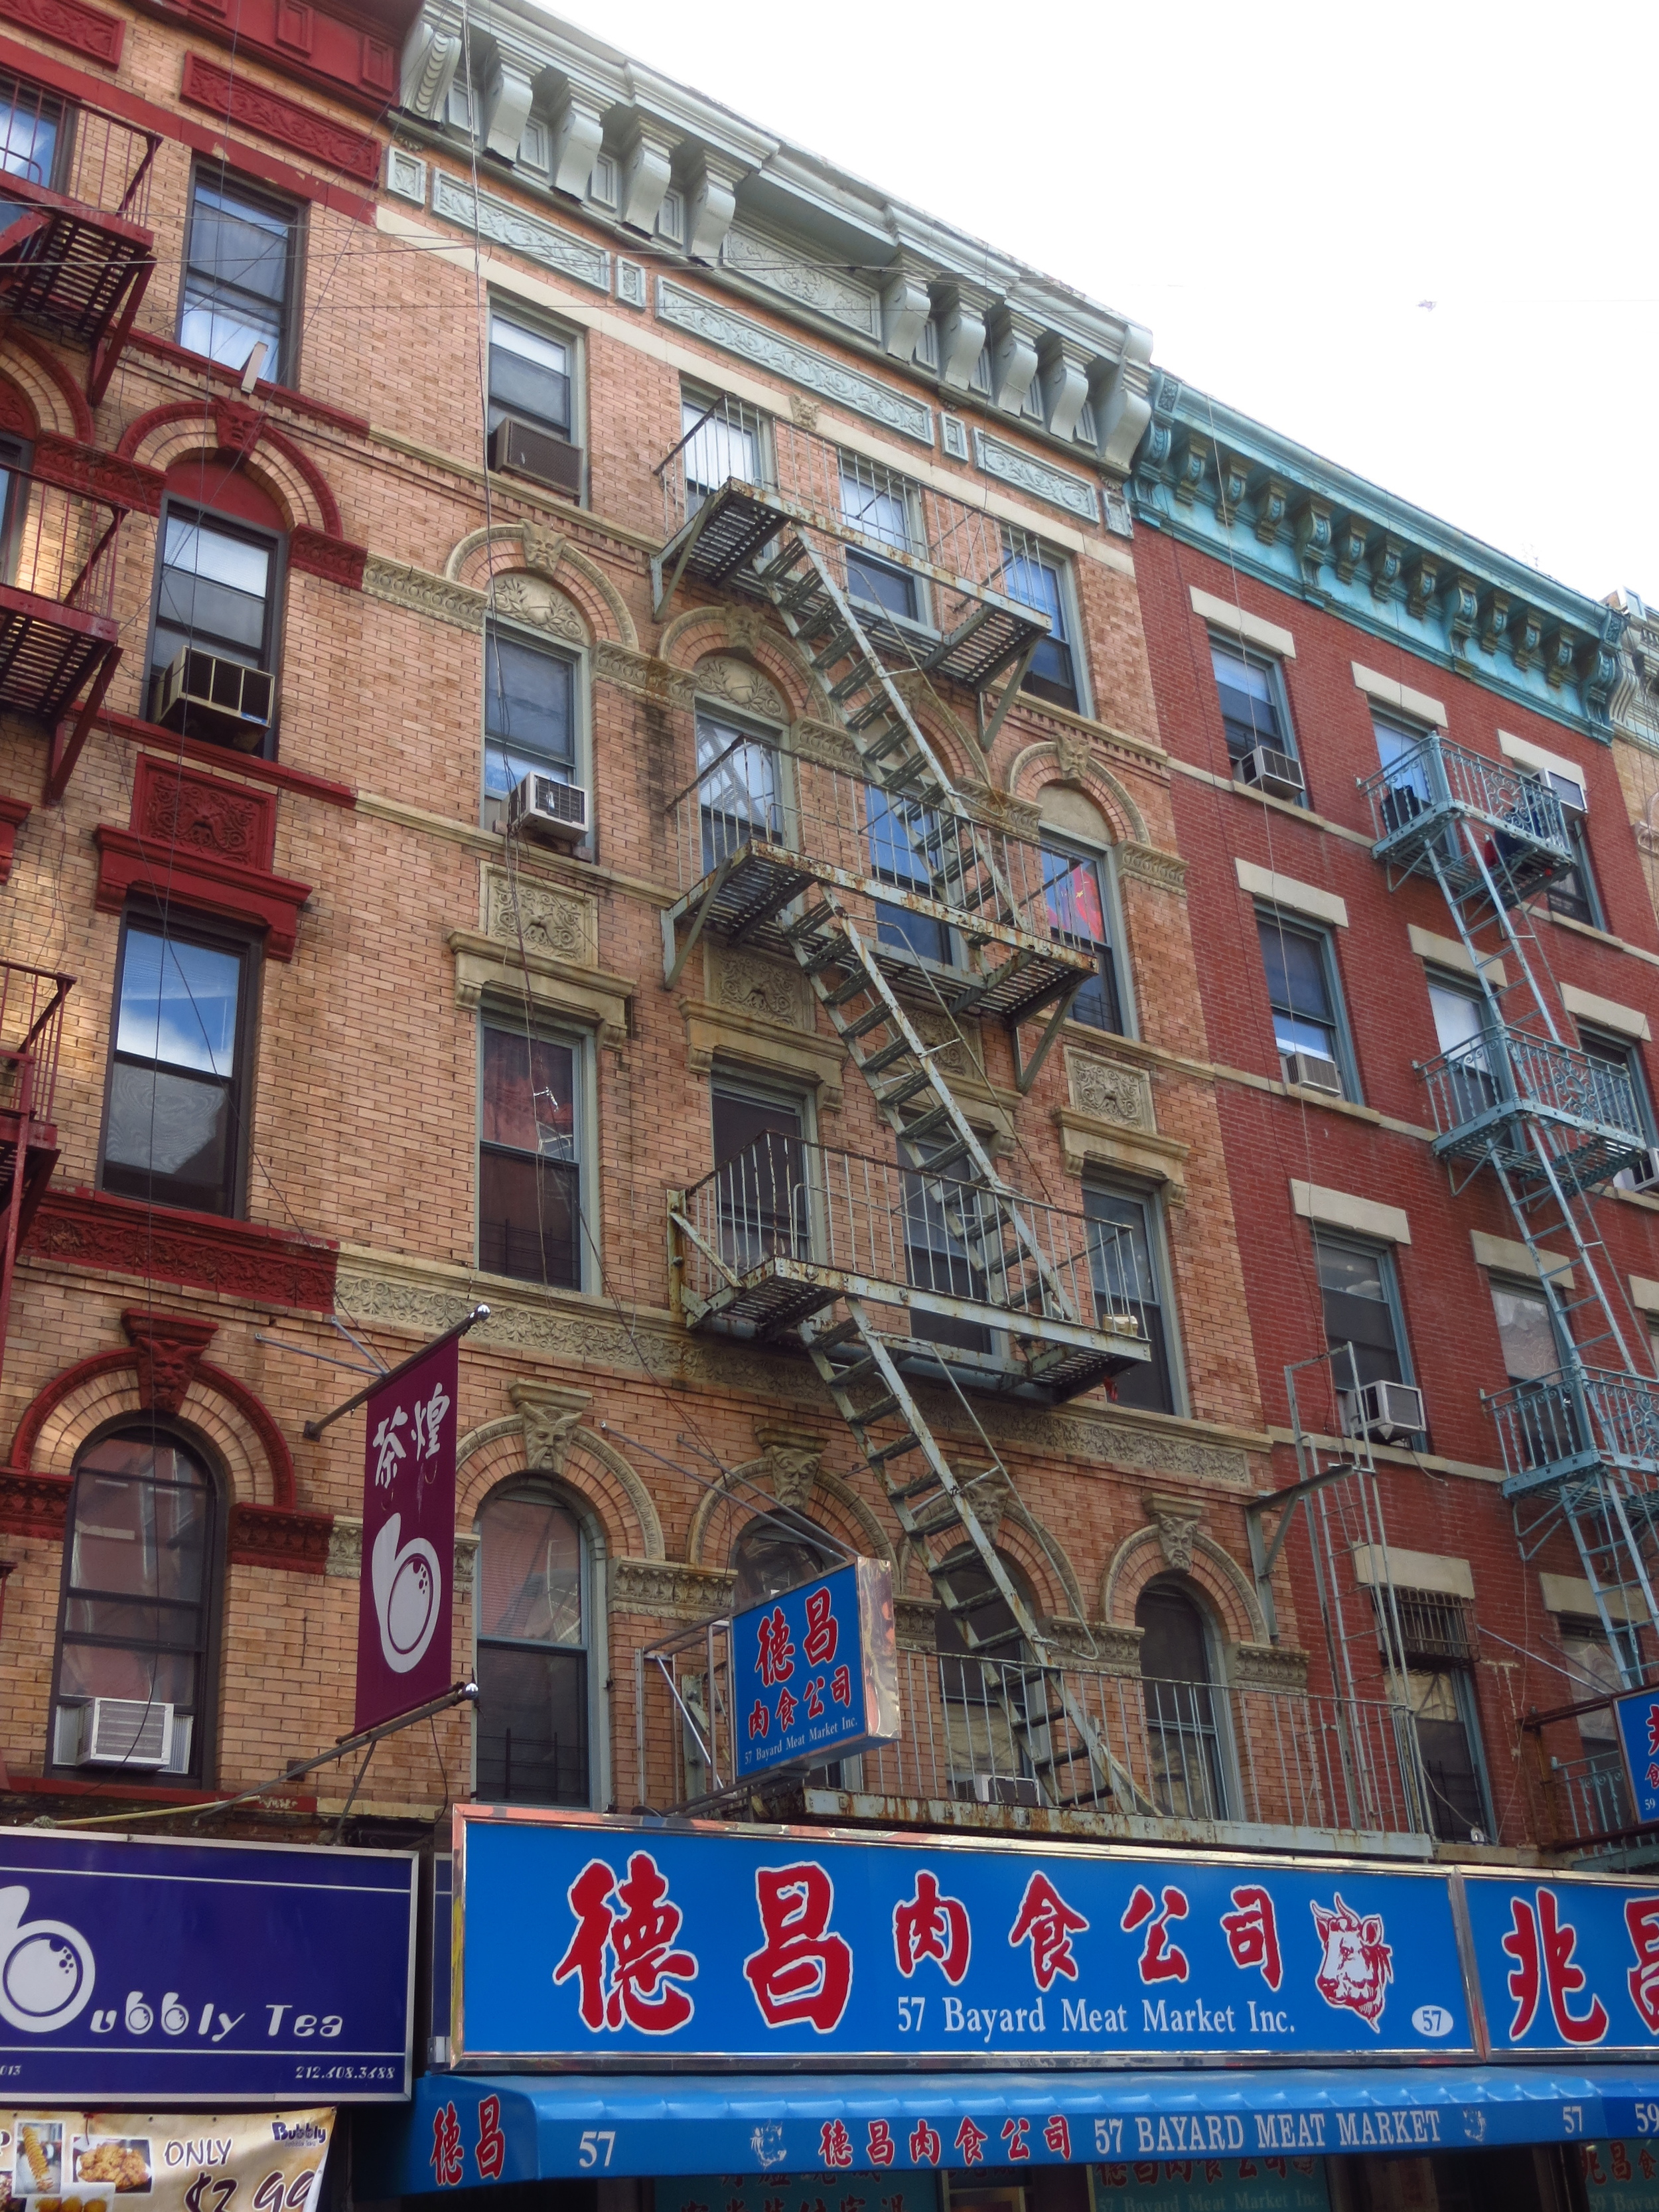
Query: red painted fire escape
(31, 1034)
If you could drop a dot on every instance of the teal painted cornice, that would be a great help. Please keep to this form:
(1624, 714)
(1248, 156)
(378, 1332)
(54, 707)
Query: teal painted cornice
(1219, 481)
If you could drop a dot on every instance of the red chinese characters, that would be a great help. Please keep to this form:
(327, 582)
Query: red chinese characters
(759, 1719)
(840, 1686)
(1252, 1934)
(834, 2145)
(1642, 1920)
(491, 2154)
(1355, 1964)
(930, 1926)
(971, 2142)
(776, 1650)
(802, 1970)
(926, 2147)
(448, 2160)
(1160, 1961)
(823, 1630)
(1653, 1731)
(1057, 2134)
(880, 2149)
(1049, 1923)
(1541, 1945)
(622, 1951)
(1014, 2133)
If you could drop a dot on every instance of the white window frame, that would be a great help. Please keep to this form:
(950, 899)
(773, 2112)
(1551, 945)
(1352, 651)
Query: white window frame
(492, 810)
(531, 316)
(498, 1009)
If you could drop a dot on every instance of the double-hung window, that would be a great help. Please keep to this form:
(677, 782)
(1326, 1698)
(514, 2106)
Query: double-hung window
(943, 1227)
(1125, 1260)
(238, 275)
(1436, 1657)
(529, 718)
(532, 1596)
(1300, 964)
(215, 593)
(762, 1196)
(1462, 1028)
(530, 1158)
(1522, 1314)
(1361, 1302)
(878, 505)
(1074, 893)
(738, 789)
(1254, 711)
(1573, 893)
(176, 1118)
(529, 375)
(905, 852)
(1036, 579)
(724, 441)
(1618, 1092)
(32, 136)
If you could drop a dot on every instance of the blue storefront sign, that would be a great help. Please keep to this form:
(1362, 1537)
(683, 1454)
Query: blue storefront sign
(814, 1671)
(1567, 1964)
(160, 1971)
(593, 1943)
(1638, 1732)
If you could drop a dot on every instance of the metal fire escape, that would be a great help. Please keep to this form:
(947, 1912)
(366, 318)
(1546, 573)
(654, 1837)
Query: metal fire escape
(1580, 1445)
(31, 1036)
(828, 858)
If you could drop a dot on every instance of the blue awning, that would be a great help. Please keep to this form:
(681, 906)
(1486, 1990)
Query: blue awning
(553, 2127)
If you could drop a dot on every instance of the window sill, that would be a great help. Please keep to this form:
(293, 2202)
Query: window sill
(148, 1793)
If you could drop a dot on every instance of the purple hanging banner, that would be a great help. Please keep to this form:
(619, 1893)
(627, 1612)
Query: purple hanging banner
(404, 1618)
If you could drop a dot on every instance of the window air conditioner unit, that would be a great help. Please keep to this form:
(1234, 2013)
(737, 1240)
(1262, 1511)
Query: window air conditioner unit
(1383, 1412)
(1273, 772)
(525, 449)
(1644, 1172)
(127, 1732)
(202, 696)
(552, 813)
(1314, 1073)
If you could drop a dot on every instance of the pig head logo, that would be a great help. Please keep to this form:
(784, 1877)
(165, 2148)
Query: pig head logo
(1355, 1966)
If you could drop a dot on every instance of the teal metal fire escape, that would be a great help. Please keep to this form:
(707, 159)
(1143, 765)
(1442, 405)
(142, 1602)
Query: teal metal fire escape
(1580, 1445)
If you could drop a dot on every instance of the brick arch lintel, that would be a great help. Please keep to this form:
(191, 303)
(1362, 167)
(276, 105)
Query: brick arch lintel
(163, 435)
(55, 400)
(850, 1517)
(694, 635)
(1038, 766)
(1216, 1574)
(542, 548)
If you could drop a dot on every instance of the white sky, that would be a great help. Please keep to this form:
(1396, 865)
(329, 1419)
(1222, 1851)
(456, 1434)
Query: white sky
(1274, 188)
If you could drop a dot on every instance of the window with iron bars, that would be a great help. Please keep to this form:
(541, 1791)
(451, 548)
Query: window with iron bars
(1432, 1626)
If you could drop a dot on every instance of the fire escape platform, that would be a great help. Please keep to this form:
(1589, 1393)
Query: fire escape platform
(719, 544)
(1567, 1427)
(1421, 803)
(73, 269)
(746, 900)
(49, 651)
(40, 1158)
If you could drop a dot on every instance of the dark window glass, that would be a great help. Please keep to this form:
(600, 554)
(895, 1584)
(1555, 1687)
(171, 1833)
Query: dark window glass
(214, 591)
(738, 796)
(141, 1560)
(1035, 582)
(1297, 963)
(172, 1134)
(1074, 896)
(778, 1553)
(529, 1163)
(1125, 1271)
(529, 713)
(237, 277)
(1620, 1091)
(1182, 1723)
(532, 1651)
(761, 1191)
(529, 376)
(1248, 688)
(1442, 1698)
(31, 132)
(1354, 1281)
(941, 1225)
(904, 849)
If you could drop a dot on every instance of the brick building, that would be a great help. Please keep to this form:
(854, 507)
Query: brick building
(602, 720)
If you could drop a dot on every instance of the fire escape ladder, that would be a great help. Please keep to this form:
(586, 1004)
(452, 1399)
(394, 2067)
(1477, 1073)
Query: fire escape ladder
(937, 1507)
(1581, 1446)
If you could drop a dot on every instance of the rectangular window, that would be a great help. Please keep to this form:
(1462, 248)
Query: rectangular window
(239, 276)
(215, 592)
(1300, 964)
(530, 1159)
(1073, 890)
(1361, 1309)
(1438, 1662)
(529, 375)
(1574, 893)
(1595, 1670)
(1127, 1267)
(737, 794)
(1033, 579)
(1250, 687)
(1463, 1025)
(940, 1220)
(1622, 1097)
(762, 1199)
(1523, 1329)
(530, 721)
(32, 135)
(725, 439)
(878, 505)
(904, 849)
(174, 1122)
